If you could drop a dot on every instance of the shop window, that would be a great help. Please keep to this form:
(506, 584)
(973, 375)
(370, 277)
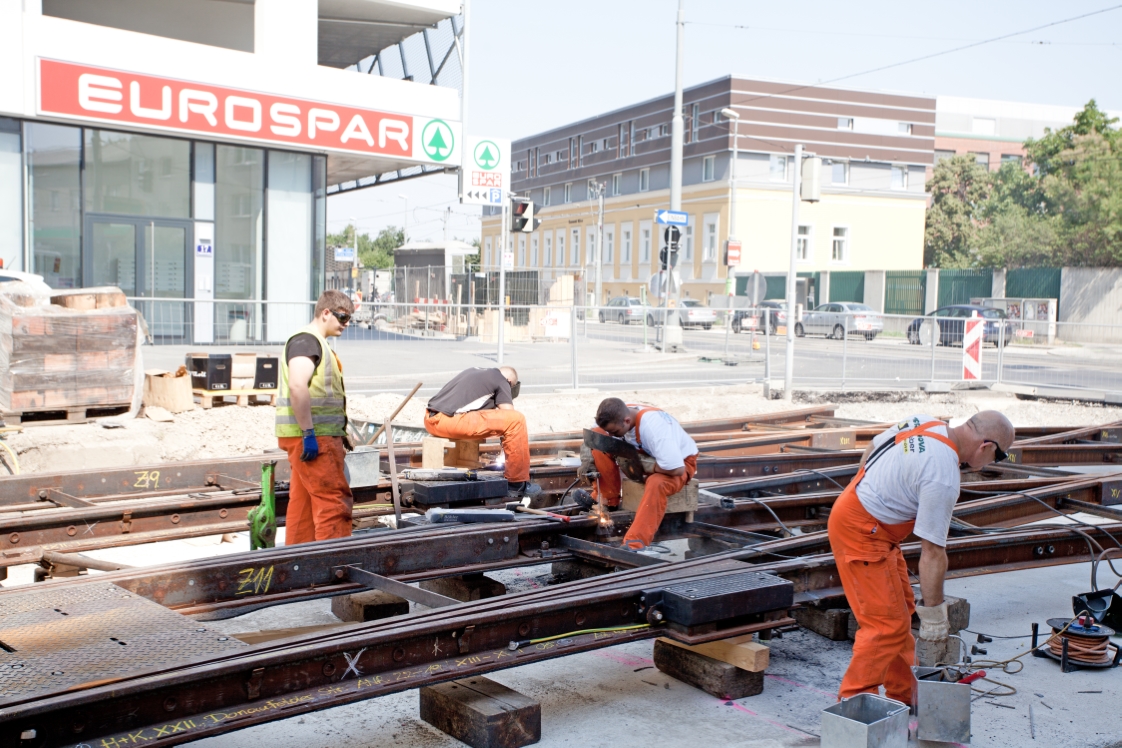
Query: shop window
(239, 244)
(53, 155)
(290, 222)
(11, 195)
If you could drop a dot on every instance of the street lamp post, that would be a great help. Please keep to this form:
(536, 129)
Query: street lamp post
(731, 114)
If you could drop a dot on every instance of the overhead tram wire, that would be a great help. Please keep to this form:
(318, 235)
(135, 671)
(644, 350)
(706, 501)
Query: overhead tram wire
(921, 58)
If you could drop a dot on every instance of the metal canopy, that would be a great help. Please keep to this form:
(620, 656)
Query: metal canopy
(350, 30)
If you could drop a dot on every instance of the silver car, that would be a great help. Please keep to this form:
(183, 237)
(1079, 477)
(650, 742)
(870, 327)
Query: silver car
(622, 309)
(690, 314)
(834, 319)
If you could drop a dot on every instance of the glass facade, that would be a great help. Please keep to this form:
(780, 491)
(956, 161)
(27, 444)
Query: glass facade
(11, 195)
(54, 160)
(115, 208)
(136, 175)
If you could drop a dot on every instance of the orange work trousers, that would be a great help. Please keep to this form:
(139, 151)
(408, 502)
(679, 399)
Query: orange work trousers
(875, 578)
(508, 425)
(609, 483)
(652, 507)
(319, 499)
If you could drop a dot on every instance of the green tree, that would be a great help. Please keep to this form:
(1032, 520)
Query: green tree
(1046, 153)
(1085, 192)
(959, 187)
(372, 253)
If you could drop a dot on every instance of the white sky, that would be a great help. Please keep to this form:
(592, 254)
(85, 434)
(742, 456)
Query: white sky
(538, 65)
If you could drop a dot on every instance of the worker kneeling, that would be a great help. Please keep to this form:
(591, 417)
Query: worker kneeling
(908, 483)
(311, 426)
(479, 403)
(674, 463)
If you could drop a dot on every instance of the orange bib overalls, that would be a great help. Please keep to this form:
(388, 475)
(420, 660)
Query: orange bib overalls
(877, 587)
(657, 489)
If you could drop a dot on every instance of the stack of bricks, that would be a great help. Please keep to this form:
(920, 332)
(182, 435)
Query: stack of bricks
(78, 352)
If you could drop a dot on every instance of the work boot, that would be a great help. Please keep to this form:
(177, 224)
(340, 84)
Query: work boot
(522, 489)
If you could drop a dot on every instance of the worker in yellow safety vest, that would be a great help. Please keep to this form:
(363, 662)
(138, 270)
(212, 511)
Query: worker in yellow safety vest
(312, 426)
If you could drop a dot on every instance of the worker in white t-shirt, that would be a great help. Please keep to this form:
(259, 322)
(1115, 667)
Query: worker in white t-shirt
(657, 433)
(908, 483)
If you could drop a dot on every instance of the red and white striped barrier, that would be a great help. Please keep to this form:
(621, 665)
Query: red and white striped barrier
(972, 348)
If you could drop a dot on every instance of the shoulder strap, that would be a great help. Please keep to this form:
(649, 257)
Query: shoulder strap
(638, 418)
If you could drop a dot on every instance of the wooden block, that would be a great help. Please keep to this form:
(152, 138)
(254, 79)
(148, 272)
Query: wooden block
(465, 588)
(465, 453)
(718, 678)
(740, 651)
(368, 606)
(482, 713)
(432, 452)
(958, 611)
(683, 501)
(834, 439)
(832, 623)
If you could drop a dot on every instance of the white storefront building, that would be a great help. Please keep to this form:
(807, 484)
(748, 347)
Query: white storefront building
(184, 149)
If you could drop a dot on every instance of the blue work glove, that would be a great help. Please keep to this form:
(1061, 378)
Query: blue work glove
(311, 446)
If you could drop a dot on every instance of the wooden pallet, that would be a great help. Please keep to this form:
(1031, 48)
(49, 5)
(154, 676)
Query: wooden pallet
(55, 416)
(208, 398)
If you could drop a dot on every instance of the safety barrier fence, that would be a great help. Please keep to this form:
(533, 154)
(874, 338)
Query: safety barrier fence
(565, 346)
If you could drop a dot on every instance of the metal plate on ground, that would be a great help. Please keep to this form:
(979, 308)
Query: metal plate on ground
(53, 639)
(725, 597)
(442, 493)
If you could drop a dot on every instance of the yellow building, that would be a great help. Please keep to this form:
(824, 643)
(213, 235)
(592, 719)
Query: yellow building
(874, 149)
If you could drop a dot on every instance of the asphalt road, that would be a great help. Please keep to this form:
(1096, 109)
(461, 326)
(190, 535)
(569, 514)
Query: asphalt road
(612, 354)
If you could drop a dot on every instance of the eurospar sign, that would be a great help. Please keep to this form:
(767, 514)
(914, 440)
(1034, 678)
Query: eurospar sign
(85, 92)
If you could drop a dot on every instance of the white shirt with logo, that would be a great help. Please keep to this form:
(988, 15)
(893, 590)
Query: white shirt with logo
(917, 479)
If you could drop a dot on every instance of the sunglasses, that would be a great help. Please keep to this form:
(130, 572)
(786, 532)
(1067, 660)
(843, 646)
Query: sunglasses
(343, 317)
(998, 454)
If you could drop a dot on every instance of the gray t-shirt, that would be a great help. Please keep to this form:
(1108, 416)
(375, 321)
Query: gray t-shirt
(917, 479)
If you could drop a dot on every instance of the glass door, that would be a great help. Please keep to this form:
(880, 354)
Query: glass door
(144, 258)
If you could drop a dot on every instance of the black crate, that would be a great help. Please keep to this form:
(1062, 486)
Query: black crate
(267, 376)
(444, 493)
(725, 597)
(210, 371)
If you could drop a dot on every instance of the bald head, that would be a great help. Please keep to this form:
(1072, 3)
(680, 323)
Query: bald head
(509, 374)
(991, 425)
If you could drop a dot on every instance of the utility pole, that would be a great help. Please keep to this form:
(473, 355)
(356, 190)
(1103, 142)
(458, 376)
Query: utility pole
(731, 114)
(676, 122)
(598, 193)
(505, 237)
(788, 374)
(676, 143)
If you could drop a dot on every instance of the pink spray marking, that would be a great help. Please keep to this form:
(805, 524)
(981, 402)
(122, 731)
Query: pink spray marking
(624, 659)
(773, 723)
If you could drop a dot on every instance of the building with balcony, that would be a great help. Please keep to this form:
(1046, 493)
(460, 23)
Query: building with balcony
(184, 149)
(875, 148)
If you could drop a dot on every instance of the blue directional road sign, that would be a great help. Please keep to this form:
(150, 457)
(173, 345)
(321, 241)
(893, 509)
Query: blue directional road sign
(672, 217)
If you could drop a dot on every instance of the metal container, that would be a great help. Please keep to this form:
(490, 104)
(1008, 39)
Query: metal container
(942, 706)
(865, 721)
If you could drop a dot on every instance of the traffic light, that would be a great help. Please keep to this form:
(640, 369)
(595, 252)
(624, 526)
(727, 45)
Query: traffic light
(672, 235)
(522, 216)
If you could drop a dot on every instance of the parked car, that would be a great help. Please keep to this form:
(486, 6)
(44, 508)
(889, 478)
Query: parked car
(776, 311)
(623, 309)
(692, 313)
(834, 319)
(952, 325)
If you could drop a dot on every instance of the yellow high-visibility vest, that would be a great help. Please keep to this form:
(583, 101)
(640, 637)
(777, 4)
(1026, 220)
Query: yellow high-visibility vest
(329, 399)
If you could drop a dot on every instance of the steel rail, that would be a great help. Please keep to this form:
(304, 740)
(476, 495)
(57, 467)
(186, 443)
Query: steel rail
(306, 673)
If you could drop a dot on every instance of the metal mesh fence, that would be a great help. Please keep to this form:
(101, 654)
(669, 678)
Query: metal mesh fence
(561, 345)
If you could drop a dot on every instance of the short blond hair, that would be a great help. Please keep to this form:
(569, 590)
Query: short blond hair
(335, 301)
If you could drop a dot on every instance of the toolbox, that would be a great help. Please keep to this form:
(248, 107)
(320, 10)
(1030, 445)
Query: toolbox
(210, 371)
(267, 373)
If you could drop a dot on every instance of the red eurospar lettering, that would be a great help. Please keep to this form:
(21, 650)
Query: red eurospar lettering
(110, 95)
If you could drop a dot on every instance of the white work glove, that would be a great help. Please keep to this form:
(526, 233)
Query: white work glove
(933, 623)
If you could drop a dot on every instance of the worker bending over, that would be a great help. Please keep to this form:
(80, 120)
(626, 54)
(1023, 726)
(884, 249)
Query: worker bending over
(479, 403)
(657, 433)
(908, 482)
(312, 426)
